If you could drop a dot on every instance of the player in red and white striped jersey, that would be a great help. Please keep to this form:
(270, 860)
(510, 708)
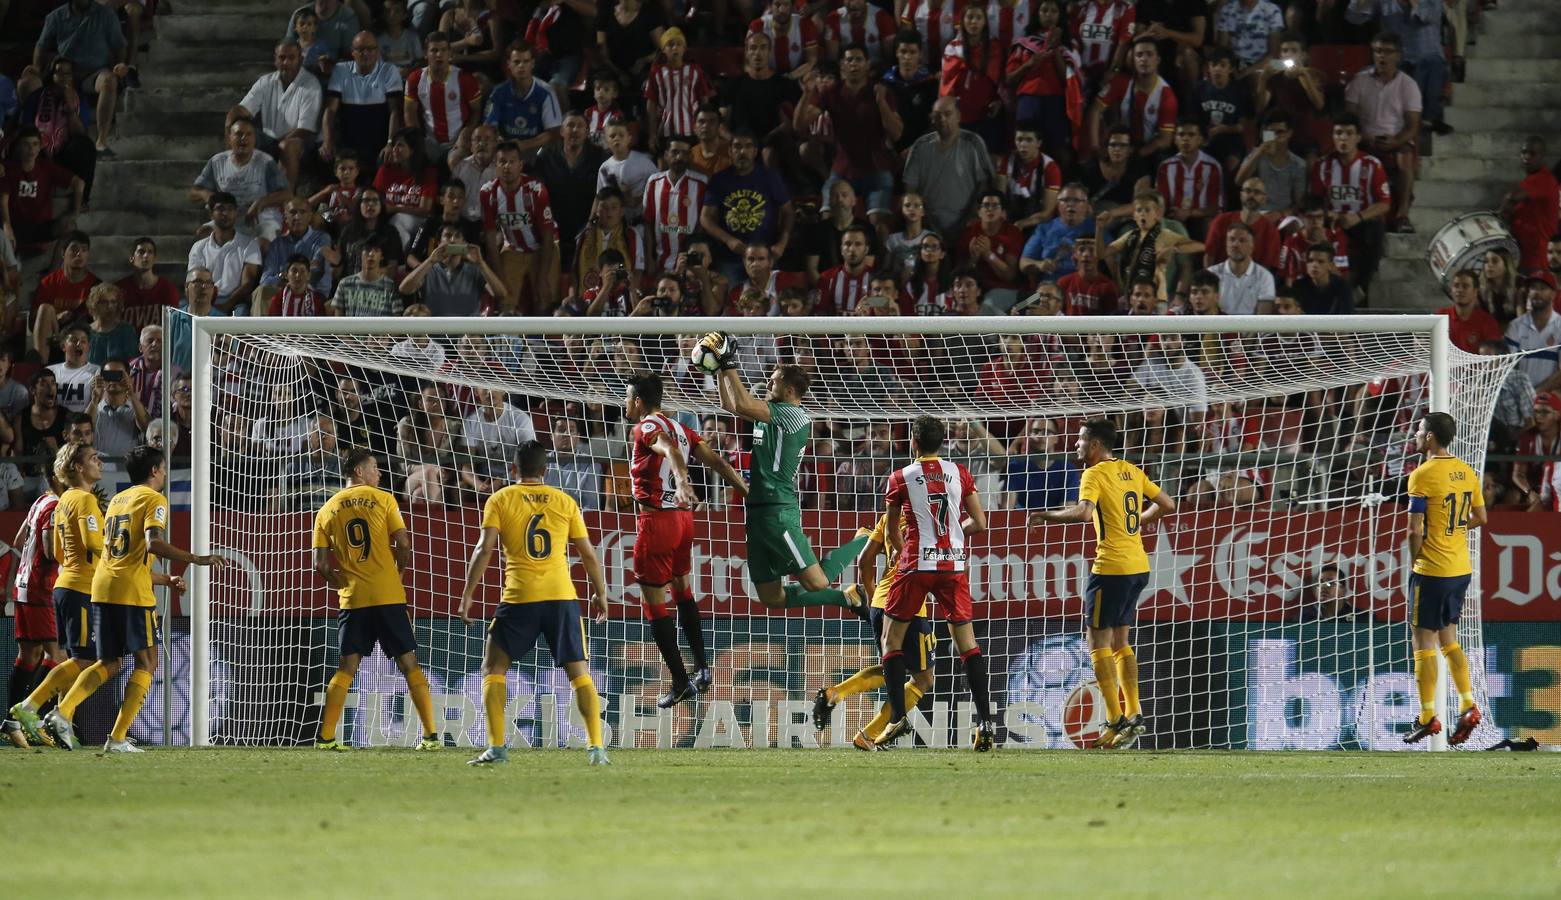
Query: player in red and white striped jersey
(659, 451)
(672, 202)
(522, 238)
(1102, 29)
(939, 503)
(936, 22)
(445, 99)
(673, 90)
(794, 37)
(841, 288)
(1356, 187)
(1192, 182)
(37, 636)
(867, 26)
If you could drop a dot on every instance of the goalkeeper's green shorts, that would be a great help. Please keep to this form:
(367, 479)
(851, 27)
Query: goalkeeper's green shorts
(776, 545)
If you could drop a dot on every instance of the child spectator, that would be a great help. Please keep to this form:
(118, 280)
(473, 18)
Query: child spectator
(904, 246)
(674, 90)
(604, 90)
(399, 44)
(1087, 291)
(1037, 71)
(297, 297)
(1225, 109)
(337, 202)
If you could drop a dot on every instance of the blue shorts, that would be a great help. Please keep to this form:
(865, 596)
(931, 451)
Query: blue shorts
(919, 642)
(1111, 601)
(73, 617)
(358, 630)
(122, 630)
(1435, 602)
(516, 627)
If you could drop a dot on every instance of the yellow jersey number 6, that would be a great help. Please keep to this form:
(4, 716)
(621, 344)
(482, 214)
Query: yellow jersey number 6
(539, 542)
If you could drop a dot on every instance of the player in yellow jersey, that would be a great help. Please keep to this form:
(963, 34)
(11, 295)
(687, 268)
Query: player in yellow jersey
(78, 543)
(124, 618)
(1120, 499)
(361, 547)
(1445, 502)
(535, 525)
(918, 646)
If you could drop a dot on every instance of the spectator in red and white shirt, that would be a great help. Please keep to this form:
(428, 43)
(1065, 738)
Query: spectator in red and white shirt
(1041, 70)
(1101, 30)
(1087, 291)
(673, 199)
(993, 245)
(522, 238)
(841, 288)
(297, 297)
(972, 74)
(867, 26)
(1192, 182)
(1142, 100)
(1356, 188)
(936, 21)
(1469, 325)
(1266, 234)
(758, 265)
(445, 99)
(1542, 438)
(1317, 227)
(794, 38)
(407, 183)
(673, 90)
(1030, 178)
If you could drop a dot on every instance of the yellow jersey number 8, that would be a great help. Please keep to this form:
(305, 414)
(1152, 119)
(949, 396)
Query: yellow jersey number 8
(1130, 509)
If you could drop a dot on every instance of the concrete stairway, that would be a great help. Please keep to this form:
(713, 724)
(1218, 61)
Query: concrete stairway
(205, 56)
(1508, 94)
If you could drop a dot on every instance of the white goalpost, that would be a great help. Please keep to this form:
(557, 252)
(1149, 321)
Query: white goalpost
(1276, 616)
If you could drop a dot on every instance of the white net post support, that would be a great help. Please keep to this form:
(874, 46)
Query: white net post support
(1235, 671)
(1442, 401)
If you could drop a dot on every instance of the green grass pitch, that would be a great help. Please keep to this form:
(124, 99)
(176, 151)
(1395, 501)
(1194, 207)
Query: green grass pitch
(776, 823)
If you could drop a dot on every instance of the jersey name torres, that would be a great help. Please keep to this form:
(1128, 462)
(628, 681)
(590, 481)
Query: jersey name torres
(650, 473)
(356, 524)
(931, 493)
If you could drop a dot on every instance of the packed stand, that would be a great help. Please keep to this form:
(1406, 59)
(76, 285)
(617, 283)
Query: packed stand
(631, 158)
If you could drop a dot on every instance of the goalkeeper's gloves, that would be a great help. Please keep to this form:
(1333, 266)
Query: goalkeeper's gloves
(725, 347)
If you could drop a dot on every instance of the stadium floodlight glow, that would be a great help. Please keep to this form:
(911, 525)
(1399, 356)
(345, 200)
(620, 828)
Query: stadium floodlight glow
(1292, 416)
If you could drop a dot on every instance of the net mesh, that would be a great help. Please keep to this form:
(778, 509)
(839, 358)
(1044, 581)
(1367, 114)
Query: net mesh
(1276, 615)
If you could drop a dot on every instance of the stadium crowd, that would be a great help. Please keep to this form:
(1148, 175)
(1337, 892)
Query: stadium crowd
(631, 158)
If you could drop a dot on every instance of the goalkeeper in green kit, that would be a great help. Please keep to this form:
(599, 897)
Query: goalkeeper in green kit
(776, 545)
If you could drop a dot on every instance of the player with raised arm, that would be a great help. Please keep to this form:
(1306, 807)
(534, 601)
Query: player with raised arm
(917, 647)
(777, 546)
(1120, 499)
(361, 547)
(933, 497)
(1445, 502)
(77, 538)
(659, 450)
(124, 616)
(37, 638)
(535, 524)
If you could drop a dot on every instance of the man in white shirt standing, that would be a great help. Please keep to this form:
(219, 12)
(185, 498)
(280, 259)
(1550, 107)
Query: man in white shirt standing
(287, 103)
(1246, 288)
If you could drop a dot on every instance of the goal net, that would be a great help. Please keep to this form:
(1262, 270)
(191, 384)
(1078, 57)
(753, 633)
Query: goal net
(1276, 616)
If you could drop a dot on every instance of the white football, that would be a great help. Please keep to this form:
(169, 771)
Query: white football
(704, 358)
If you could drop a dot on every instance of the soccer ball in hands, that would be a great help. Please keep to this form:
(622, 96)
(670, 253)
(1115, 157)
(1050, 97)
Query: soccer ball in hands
(707, 352)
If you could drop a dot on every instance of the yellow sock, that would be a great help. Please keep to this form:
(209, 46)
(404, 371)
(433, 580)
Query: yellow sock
(1458, 664)
(135, 695)
(913, 695)
(335, 701)
(1425, 680)
(1105, 663)
(417, 686)
(590, 708)
(58, 682)
(877, 723)
(86, 683)
(868, 679)
(1127, 675)
(493, 699)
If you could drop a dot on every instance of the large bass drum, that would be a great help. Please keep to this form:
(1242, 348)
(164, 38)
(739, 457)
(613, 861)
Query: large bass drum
(1463, 242)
